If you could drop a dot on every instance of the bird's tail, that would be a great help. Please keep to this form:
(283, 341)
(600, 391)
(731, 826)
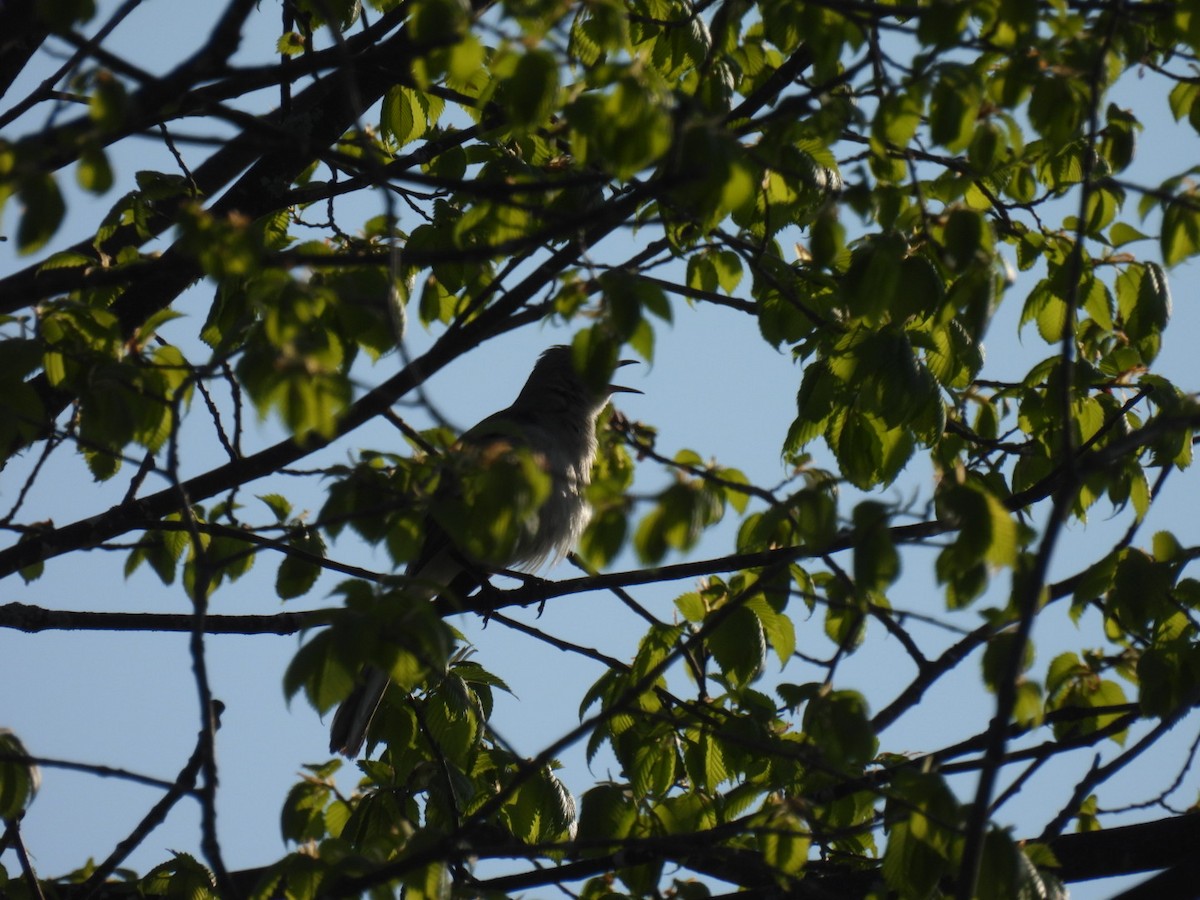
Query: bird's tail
(353, 717)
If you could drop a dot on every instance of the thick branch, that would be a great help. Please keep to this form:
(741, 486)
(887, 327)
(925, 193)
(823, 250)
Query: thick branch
(34, 619)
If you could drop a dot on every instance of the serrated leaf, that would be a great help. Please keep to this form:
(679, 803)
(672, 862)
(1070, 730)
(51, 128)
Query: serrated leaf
(541, 809)
(653, 770)
(738, 646)
(403, 115)
(778, 628)
(691, 605)
(317, 671)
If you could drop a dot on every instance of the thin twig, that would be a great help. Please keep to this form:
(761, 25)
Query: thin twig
(184, 786)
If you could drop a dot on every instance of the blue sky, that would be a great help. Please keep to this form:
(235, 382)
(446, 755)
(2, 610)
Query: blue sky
(128, 700)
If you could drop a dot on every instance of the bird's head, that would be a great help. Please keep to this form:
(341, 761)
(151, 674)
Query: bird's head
(557, 372)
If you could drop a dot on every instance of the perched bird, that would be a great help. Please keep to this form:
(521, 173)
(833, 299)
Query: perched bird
(553, 419)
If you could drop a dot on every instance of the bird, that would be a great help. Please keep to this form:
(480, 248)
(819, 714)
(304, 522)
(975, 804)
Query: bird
(554, 420)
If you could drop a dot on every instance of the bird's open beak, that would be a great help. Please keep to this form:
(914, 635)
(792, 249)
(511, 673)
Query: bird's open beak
(621, 389)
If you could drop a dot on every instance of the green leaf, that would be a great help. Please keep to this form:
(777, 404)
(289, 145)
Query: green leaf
(965, 238)
(1073, 684)
(438, 22)
(923, 815)
(872, 284)
(19, 781)
(911, 866)
(716, 769)
(183, 876)
(1056, 109)
(778, 628)
(431, 882)
(1122, 233)
(1118, 139)
(655, 647)
(728, 268)
(653, 771)
(403, 115)
(953, 108)
(541, 809)
(298, 574)
(529, 94)
(290, 44)
(109, 102)
(988, 145)
(1168, 678)
(605, 536)
(784, 845)
(856, 441)
(623, 131)
(279, 505)
(303, 815)
(986, 530)
(453, 720)
(1063, 669)
(1001, 867)
(827, 238)
(1180, 230)
(1182, 98)
(1144, 304)
(43, 213)
(876, 562)
(93, 172)
(677, 520)
(838, 724)
(317, 670)
(1141, 589)
(897, 118)
(607, 813)
(103, 464)
(738, 646)
(1028, 705)
(692, 607)
(1052, 318)
(161, 185)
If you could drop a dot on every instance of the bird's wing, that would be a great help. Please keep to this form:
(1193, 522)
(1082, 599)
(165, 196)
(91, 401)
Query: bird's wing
(438, 570)
(439, 567)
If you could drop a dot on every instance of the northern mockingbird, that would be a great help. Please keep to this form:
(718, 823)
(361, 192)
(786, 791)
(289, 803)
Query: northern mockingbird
(554, 420)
